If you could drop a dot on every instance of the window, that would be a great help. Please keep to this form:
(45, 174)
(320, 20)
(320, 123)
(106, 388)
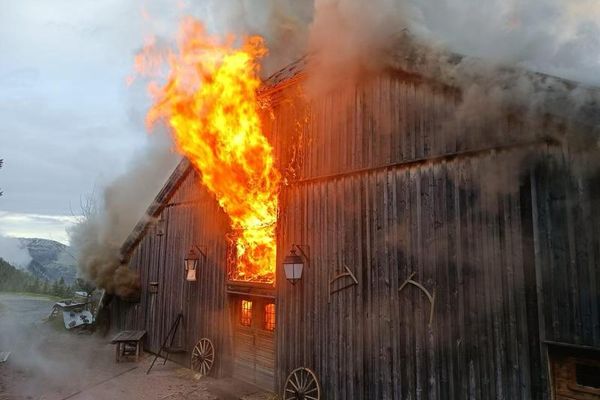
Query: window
(269, 322)
(246, 317)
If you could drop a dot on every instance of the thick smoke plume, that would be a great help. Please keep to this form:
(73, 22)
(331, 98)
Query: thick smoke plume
(556, 37)
(494, 52)
(99, 236)
(349, 40)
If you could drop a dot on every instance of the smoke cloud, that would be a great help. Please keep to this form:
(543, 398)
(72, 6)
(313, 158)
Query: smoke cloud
(349, 39)
(97, 239)
(550, 36)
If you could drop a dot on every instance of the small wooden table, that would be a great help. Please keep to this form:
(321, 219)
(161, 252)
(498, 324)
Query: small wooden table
(129, 343)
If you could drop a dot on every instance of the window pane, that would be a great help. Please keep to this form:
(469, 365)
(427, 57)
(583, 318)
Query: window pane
(269, 322)
(246, 318)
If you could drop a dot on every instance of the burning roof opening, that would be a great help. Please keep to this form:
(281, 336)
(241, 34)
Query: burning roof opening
(210, 103)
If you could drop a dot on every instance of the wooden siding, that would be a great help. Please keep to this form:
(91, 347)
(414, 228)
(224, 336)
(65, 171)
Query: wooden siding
(192, 217)
(567, 214)
(461, 235)
(384, 180)
(393, 119)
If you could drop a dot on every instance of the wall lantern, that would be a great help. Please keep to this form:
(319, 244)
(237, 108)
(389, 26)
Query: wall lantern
(293, 264)
(192, 261)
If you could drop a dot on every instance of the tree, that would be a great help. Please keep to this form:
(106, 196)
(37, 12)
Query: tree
(1, 162)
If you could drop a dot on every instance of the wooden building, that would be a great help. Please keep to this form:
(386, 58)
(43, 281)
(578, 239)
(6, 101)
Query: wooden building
(445, 259)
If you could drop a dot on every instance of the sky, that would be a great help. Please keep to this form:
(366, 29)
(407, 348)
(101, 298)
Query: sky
(70, 124)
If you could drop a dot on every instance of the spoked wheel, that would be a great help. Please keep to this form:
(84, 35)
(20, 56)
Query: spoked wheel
(203, 356)
(302, 384)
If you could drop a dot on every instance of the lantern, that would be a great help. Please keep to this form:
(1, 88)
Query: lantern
(293, 265)
(191, 264)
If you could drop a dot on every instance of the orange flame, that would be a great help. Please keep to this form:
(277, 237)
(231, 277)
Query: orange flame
(211, 105)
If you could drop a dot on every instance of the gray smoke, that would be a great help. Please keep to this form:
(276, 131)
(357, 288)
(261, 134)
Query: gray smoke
(284, 24)
(97, 239)
(552, 36)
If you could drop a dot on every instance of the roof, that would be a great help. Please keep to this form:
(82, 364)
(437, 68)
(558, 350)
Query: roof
(560, 97)
(524, 89)
(166, 193)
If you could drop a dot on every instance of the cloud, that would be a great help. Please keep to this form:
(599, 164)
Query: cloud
(36, 226)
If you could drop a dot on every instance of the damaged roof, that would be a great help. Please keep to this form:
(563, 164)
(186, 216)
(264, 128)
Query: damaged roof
(182, 170)
(571, 101)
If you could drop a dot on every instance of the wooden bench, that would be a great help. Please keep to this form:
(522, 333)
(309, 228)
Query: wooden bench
(129, 343)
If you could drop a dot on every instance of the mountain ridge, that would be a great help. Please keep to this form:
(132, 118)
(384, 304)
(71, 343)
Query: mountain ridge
(50, 260)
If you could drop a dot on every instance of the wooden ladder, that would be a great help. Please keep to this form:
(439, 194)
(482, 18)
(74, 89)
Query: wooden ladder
(171, 335)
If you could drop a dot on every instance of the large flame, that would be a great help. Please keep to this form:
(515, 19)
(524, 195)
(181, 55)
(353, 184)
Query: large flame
(211, 105)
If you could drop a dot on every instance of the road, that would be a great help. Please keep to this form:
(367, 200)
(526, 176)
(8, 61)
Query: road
(47, 363)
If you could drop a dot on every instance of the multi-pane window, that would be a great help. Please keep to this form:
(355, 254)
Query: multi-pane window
(269, 322)
(246, 316)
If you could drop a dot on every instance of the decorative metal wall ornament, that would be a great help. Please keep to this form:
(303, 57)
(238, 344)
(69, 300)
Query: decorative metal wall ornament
(302, 383)
(339, 276)
(430, 296)
(203, 356)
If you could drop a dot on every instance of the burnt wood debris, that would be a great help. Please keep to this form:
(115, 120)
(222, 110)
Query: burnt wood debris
(470, 249)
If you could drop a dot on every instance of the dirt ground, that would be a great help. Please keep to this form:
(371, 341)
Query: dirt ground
(52, 364)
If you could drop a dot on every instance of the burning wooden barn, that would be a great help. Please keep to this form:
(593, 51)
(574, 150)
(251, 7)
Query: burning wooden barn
(418, 254)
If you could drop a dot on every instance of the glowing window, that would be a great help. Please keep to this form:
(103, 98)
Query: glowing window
(246, 318)
(270, 317)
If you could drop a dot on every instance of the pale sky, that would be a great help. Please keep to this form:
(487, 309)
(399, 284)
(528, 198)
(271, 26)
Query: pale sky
(68, 120)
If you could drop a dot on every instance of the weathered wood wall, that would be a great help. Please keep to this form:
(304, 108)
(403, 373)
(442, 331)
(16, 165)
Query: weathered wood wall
(393, 119)
(385, 180)
(192, 217)
(566, 188)
(463, 239)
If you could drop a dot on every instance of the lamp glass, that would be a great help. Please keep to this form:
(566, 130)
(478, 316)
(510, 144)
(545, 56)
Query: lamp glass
(293, 271)
(191, 265)
(191, 274)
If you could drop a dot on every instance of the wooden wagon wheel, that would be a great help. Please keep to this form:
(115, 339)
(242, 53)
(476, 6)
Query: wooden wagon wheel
(203, 356)
(302, 384)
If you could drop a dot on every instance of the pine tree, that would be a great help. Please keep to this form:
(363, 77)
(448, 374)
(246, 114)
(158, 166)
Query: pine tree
(55, 289)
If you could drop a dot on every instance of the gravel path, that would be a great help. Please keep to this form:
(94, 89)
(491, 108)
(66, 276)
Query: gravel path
(52, 364)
